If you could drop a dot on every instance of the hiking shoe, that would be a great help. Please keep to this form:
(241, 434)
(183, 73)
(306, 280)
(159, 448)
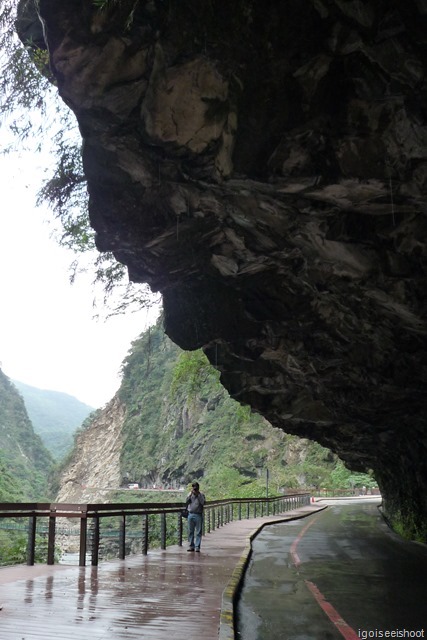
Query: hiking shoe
(198, 550)
(190, 549)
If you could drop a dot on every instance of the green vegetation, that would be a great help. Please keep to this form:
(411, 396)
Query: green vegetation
(342, 478)
(37, 118)
(24, 461)
(24, 468)
(55, 416)
(405, 523)
(181, 424)
(13, 545)
(10, 487)
(192, 370)
(146, 373)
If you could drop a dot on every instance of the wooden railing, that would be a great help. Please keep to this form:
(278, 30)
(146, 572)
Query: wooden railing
(216, 514)
(345, 493)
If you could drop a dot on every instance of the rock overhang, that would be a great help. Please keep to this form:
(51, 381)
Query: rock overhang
(265, 168)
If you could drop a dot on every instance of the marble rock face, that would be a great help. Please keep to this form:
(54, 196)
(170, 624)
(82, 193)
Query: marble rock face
(264, 166)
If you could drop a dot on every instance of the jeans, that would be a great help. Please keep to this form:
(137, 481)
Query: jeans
(195, 522)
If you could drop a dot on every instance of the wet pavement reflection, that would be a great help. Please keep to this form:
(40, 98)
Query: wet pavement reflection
(339, 572)
(110, 602)
(167, 594)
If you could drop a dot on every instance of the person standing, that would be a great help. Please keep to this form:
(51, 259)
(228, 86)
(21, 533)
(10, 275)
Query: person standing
(195, 503)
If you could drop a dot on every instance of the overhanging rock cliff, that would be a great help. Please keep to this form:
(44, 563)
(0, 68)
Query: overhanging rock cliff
(264, 165)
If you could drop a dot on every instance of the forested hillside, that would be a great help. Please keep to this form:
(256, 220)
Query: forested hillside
(24, 461)
(172, 421)
(181, 424)
(55, 416)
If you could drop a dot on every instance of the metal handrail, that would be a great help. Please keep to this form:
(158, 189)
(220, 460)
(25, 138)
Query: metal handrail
(217, 513)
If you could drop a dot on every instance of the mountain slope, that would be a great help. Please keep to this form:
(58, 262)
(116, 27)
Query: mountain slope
(93, 468)
(24, 461)
(182, 424)
(55, 416)
(171, 422)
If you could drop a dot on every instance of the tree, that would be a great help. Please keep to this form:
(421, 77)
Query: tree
(31, 108)
(343, 478)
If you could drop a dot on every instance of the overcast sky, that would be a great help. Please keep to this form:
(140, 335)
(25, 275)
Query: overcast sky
(48, 336)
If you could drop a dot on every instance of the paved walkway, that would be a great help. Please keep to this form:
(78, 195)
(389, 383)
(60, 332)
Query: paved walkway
(166, 595)
(338, 574)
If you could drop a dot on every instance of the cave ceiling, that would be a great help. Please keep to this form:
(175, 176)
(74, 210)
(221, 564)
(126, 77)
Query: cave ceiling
(264, 166)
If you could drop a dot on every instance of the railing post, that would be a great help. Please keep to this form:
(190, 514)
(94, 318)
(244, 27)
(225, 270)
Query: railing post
(122, 537)
(224, 512)
(31, 544)
(145, 534)
(163, 530)
(95, 541)
(83, 540)
(51, 538)
(180, 529)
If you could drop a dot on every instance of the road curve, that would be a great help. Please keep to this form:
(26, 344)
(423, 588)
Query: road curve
(339, 573)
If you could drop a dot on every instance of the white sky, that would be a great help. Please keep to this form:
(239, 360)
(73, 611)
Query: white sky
(48, 337)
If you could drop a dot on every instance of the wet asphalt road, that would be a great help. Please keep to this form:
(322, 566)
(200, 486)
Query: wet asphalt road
(339, 573)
